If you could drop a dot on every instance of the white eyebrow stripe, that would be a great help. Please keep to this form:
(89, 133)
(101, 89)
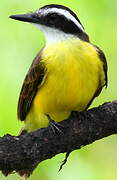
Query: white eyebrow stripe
(62, 12)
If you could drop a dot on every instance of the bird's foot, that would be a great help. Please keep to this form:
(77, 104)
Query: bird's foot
(56, 127)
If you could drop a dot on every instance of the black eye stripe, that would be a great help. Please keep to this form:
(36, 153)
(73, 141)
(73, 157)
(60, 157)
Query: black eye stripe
(52, 15)
(63, 19)
(58, 17)
(64, 8)
(55, 16)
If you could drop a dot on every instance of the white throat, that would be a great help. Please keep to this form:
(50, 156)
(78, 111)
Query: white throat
(53, 35)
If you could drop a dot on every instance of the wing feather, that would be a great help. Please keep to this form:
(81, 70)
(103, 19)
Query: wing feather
(105, 69)
(30, 86)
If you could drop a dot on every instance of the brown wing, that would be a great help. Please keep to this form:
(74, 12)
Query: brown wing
(29, 89)
(105, 68)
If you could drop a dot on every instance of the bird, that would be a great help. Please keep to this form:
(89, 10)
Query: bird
(67, 74)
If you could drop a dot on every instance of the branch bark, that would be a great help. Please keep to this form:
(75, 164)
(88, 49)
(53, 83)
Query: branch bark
(23, 153)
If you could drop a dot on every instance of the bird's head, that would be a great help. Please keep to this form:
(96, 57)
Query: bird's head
(56, 22)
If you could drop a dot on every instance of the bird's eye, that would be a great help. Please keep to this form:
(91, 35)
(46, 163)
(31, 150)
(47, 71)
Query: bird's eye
(52, 16)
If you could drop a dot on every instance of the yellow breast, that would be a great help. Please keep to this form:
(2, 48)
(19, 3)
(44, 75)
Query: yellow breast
(73, 73)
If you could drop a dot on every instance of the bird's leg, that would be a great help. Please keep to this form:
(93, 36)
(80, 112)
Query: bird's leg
(75, 114)
(55, 126)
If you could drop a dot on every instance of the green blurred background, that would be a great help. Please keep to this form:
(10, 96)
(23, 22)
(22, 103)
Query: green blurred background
(19, 43)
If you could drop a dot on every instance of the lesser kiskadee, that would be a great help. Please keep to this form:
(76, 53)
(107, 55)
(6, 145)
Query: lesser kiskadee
(67, 73)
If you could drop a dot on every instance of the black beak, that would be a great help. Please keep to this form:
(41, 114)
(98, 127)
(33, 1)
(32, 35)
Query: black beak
(32, 18)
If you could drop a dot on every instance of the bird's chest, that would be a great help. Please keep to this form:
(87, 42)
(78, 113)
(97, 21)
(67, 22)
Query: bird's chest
(72, 77)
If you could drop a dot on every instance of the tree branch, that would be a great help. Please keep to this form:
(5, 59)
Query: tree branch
(23, 153)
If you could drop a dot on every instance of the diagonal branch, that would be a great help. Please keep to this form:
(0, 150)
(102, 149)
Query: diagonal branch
(23, 153)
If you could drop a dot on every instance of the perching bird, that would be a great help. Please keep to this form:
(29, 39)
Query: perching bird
(66, 75)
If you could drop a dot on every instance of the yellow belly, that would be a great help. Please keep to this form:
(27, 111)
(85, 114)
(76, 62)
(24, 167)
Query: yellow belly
(74, 71)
